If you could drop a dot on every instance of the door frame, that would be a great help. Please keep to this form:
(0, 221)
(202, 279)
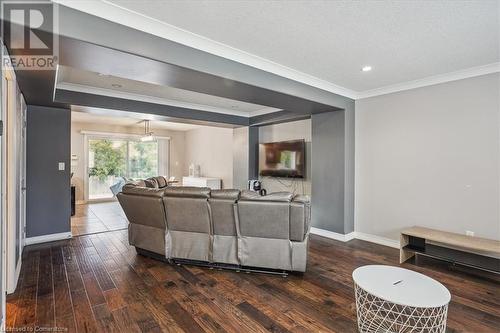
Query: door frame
(3, 230)
(22, 167)
(11, 169)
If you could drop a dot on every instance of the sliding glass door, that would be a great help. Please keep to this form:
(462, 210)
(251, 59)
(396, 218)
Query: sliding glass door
(107, 161)
(142, 159)
(110, 159)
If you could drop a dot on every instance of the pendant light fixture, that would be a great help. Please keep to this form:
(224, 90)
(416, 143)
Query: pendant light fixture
(148, 134)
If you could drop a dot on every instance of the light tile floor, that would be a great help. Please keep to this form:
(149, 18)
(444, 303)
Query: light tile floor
(98, 217)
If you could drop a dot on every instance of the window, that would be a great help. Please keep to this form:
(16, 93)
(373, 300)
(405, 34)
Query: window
(109, 159)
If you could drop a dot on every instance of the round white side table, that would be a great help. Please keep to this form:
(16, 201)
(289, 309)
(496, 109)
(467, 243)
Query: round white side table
(394, 299)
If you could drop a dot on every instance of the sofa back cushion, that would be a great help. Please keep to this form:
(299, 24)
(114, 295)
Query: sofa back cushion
(143, 206)
(264, 219)
(187, 209)
(222, 208)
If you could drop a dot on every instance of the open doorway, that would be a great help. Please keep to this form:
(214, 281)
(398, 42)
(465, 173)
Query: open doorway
(111, 158)
(107, 151)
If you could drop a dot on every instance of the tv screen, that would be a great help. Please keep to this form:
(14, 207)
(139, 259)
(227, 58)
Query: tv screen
(282, 159)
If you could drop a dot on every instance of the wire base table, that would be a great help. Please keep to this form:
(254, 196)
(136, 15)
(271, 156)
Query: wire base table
(393, 299)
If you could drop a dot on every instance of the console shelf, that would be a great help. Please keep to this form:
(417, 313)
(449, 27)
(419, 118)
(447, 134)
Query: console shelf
(469, 251)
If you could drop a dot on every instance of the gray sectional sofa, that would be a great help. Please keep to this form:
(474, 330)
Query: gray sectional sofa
(218, 227)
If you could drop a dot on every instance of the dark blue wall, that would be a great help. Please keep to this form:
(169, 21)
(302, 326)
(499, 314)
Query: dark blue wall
(48, 193)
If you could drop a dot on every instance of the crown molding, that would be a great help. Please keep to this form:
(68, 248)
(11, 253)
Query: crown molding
(432, 80)
(118, 14)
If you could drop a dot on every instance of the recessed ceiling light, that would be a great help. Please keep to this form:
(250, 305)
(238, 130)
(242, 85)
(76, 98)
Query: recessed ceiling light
(366, 68)
(116, 85)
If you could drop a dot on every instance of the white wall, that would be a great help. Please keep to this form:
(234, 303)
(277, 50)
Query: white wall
(430, 157)
(77, 147)
(212, 149)
(283, 132)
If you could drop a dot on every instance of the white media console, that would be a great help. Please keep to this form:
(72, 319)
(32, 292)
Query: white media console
(212, 183)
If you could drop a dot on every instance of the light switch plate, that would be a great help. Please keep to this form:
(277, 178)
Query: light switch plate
(61, 166)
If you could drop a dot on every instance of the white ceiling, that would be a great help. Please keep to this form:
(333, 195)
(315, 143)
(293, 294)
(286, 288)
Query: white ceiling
(86, 116)
(74, 79)
(331, 40)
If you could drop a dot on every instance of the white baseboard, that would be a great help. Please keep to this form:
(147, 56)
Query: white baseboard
(11, 287)
(332, 235)
(48, 238)
(356, 235)
(377, 239)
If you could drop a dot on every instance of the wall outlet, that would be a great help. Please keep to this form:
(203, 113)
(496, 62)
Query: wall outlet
(61, 166)
(469, 233)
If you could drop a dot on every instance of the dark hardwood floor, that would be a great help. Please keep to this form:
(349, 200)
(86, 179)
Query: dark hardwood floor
(97, 283)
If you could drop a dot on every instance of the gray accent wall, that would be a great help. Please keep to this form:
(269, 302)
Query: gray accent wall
(253, 153)
(48, 194)
(332, 157)
(350, 165)
(240, 157)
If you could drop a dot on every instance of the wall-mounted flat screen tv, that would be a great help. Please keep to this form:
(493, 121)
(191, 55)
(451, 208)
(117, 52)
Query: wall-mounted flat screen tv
(282, 159)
